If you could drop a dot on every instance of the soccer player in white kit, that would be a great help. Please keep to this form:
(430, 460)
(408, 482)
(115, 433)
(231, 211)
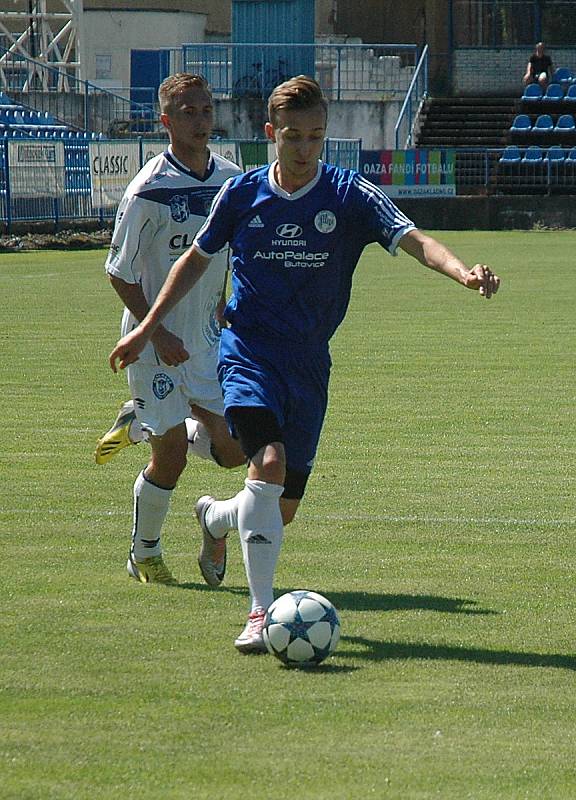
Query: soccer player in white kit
(161, 211)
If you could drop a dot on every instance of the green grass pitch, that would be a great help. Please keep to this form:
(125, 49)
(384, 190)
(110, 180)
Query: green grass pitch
(439, 520)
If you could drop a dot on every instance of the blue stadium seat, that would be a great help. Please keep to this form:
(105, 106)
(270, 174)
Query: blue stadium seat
(521, 124)
(532, 93)
(533, 155)
(570, 96)
(563, 76)
(553, 94)
(544, 124)
(511, 155)
(555, 154)
(565, 124)
(571, 156)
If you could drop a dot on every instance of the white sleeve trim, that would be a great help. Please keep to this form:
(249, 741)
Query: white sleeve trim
(201, 251)
(396, 240)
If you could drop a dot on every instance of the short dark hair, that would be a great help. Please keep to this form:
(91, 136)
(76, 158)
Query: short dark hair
(300, 92)
(172, 86)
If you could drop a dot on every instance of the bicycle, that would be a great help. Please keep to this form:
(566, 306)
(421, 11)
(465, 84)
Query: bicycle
(260, 82)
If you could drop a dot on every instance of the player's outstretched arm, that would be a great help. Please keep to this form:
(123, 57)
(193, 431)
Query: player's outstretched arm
(436, 256)
(185, 272)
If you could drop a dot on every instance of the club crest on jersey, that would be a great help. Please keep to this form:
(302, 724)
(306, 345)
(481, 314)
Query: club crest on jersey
(325, 221)
(162, 385)
(179, 208)
(211, 327)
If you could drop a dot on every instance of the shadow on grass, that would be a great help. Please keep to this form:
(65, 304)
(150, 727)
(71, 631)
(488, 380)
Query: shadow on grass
(366, 601)
(202, 587)
(373, 650)
(319, 669)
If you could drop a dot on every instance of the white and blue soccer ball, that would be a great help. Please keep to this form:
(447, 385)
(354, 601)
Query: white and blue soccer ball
(301, 628)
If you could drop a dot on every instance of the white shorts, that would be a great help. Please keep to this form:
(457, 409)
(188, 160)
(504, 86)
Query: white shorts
(162, 395)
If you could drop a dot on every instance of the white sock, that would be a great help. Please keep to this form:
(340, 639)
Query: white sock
(150, 508)
(261, 530)
(199, 442)
(222, 516)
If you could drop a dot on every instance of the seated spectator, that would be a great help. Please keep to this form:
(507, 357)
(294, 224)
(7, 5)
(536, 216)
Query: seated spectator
(539, 67)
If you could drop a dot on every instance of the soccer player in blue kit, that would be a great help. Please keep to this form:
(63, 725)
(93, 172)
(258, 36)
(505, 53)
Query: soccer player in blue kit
(297, 229)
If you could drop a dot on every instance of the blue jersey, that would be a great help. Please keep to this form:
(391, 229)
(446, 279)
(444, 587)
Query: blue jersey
(293, 255)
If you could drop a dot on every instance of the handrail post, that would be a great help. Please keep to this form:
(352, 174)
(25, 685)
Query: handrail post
(8, 193)
(86, 107)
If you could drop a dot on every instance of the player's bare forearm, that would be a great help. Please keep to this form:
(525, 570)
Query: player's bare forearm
(185, 272)
(436, 256)
(132, 296)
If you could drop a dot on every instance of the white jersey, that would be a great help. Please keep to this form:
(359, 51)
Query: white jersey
(158, 217)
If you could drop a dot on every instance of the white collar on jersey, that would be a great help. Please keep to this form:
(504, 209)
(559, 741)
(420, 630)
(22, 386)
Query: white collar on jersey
(299, 192)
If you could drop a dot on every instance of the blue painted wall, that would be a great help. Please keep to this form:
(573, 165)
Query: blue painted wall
(257, 70)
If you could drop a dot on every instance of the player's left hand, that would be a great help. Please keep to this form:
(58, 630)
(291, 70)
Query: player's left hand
(128, 349)
(483, 280)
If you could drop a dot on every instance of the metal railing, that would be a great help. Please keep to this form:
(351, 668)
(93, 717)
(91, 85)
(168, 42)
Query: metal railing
(345, 71)
(80, 104)
(66, 190)
(512, 23)
(377, 72)
(55, 180)
(417, 93)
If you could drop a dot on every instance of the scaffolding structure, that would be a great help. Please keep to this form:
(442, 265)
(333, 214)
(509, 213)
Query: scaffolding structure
(41, 33)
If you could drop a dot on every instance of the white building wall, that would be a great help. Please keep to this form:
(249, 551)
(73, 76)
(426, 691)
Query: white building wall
(498, 71)
(109, 36)
(373, 122)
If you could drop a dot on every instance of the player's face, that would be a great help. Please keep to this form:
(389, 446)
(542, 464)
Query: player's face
(299, 138)
(190, 119)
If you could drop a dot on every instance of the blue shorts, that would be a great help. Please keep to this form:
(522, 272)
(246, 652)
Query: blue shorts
(292, 383)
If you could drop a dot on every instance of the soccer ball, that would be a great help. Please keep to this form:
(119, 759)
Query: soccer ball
(301, 628)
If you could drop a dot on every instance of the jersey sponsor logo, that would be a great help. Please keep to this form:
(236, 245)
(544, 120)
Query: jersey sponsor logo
(179, 208)
(181, 241)
(256, 222)
(293, 258)
(325, 221)
(289, 231)
(162, 385)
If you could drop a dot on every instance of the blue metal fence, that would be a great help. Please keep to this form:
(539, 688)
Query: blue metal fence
(345, 71)
(477, 171)
(54, 179)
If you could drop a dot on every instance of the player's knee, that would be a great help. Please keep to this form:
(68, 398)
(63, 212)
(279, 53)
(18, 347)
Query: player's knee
(270, 463)
(229, 455)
